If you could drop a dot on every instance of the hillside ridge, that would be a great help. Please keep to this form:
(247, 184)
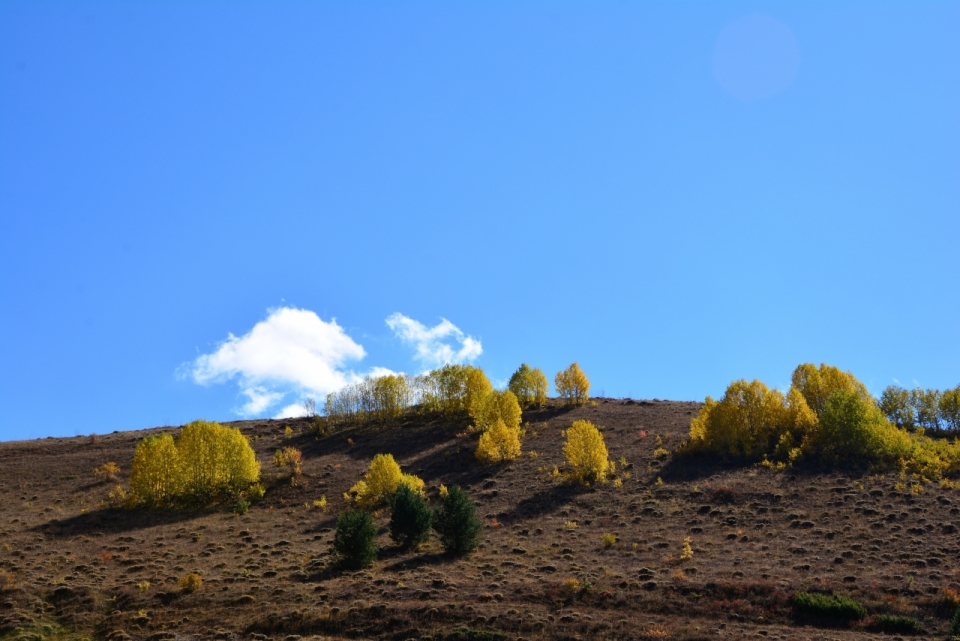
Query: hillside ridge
(757, 537)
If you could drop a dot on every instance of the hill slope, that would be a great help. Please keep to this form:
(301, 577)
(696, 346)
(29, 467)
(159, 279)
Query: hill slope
(757, 537)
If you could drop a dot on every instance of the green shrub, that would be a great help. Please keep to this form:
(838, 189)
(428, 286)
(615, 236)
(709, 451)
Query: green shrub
(355, 541)
(241, 507)
(456, 523)
(410, 518)
(853, 428)
(896, 624)
(955, 624)
(827, 609)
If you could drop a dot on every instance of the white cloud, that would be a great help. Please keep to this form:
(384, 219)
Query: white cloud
(438, 345)
(294, 355)
(291, 411)
(293, 351)
(260, 399)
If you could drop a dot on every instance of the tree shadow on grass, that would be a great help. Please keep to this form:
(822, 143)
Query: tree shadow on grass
(543, 503)
(691, 467)
(362, 442)
(405, 437)
(94, 484)
(416, 562)
(396, 559)
(117, 520)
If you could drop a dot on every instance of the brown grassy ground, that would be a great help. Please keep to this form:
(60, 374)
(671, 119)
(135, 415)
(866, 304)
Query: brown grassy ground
(757, 535)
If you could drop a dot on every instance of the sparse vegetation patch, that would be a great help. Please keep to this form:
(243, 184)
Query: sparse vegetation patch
(827, 609)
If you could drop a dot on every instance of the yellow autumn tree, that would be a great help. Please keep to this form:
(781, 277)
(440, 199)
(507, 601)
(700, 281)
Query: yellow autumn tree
(445, 389)
(476, 390)
(205, 462)
(499, 443)
(743, 422)
(529, 385)
(381, 481)
(498, 406)
(752, 420)
(572, 385)
(950, 409)
(381, 398)
(586, 453)
(827, 417)
(800, 425)
(817, 384)
(215, 459)
(155, 474)
(852, 427)
(390, 396)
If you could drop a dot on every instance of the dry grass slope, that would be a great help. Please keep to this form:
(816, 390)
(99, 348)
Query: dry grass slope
(696, 549)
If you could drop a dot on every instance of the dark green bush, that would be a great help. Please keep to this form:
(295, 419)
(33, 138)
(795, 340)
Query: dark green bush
(410, 518)
(355, 541)
(827, 609)
(896, 624)
(955, 625)
(241, 506)
(456, 523)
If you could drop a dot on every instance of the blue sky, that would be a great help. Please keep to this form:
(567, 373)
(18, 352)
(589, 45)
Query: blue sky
(674, 194)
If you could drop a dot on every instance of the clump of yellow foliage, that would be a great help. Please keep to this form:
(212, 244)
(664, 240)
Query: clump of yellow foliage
(497, 415)
(497, 406)
(529, 385)
(587, 454)
(289, 456)
(827, 416)
(477, 388)
(381, 398)
(107, 472)
(381, 482)
(573, 385)
(451, 390)
(205, 462)
(499, 443)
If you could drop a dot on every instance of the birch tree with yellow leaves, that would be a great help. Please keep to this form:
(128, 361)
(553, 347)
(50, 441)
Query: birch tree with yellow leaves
(572, 385)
